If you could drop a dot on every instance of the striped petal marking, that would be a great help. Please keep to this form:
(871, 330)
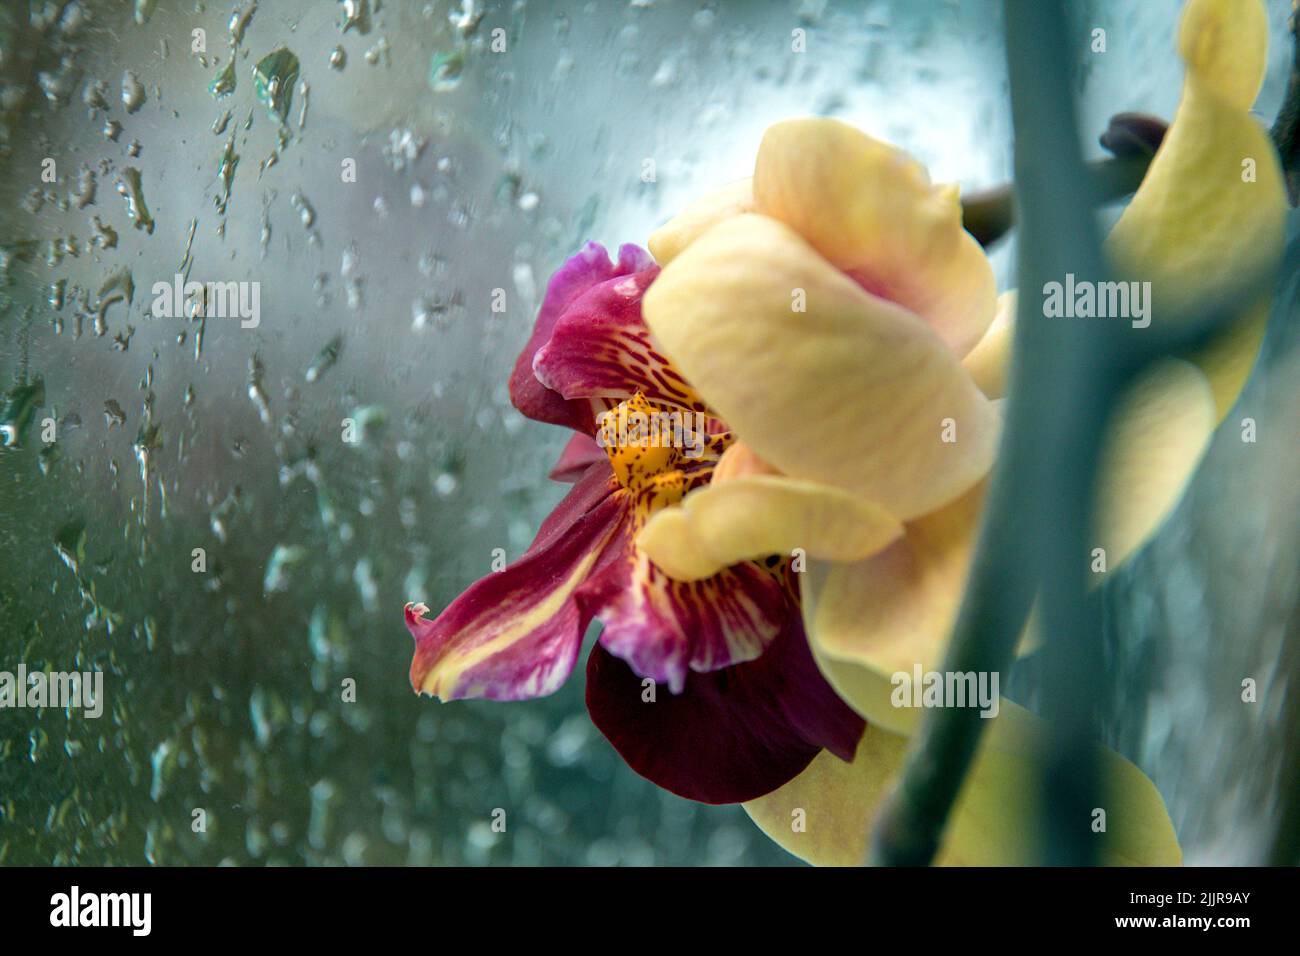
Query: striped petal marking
(601, 348)
(665, 628)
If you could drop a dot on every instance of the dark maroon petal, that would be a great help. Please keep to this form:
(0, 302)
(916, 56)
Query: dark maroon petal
(589, 267)
(516, 633)
(733, 734)
(579, 454)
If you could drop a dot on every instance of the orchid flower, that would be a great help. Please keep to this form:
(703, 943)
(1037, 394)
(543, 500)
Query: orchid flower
(834, 312)
(828, 341)
(743, 708)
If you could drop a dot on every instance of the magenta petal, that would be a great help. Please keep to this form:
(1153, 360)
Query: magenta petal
(579, 454)
(588, 267)
(666, 628)
(732, 735)
(516, 633)
(602, 348)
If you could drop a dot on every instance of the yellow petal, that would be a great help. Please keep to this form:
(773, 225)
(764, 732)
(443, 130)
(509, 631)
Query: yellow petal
(823, 380)
(699, 217)
(870, 619)
(753, 516)
(989, 362)
(1156, 438)
(1211, 208)
(871, 210)
(824, 815)
(739, 459)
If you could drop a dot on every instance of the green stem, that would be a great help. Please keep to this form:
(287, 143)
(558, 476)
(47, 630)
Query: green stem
(1037, 508)
(1286, 128)
(1034, 537)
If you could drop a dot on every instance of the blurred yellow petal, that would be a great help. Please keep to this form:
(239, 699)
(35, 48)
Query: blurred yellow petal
(870, 619)
(1156, 438)
(1225, 46)
(989, 362)
(753, 516)
(871, 210)
(1212, 206)
(821, 379)
(699, 217)
(1227, 360)
(824, 815)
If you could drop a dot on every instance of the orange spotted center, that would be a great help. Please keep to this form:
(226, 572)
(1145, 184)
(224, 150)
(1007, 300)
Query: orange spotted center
(658, 452)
